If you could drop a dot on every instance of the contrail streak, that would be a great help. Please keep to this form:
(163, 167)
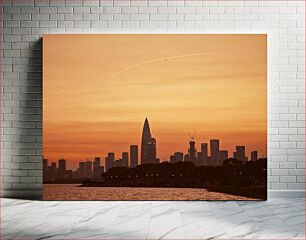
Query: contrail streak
(158, 59)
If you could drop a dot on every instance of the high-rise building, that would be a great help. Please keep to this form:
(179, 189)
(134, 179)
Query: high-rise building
(223, 155)
(254, 156)
(88, 169)
(172, 159)
(53, 170)
(204, 152)
(240, 153)
(125, 159)
(109, 161)
(192, 151)
(214, 151)
(148, 145)
(133, 156)
(97, 168)
(178, 156)
(81, 170)
(61, 168)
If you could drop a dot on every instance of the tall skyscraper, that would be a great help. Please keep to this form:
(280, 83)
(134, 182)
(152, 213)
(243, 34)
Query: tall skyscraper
(97, 168)
(204, 152)
(53, 170)
(214, 151)
(125, 159)
(88, 169)
(192, 151)
(254, 155)
(148, 145)
(61, 168)
(81, 169)
(133, 156)
(109, 161)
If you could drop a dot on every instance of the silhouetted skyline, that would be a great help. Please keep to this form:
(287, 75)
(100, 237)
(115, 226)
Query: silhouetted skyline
(93, 169)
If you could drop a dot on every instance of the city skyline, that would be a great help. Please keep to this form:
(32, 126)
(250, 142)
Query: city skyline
(209, 153)
(107, 84)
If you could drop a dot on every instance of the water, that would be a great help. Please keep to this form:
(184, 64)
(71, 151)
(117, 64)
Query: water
(73, 192)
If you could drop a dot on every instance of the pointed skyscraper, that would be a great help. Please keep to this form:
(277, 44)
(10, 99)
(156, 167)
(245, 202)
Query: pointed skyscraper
(148, 145)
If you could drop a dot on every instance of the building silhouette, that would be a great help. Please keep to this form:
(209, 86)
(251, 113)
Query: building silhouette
(223, 155)
(109, 161)
(125, 159)
(204, 153)
(81, 169)
(214, 151)
(254, 156)
(133, 156)
(148, 145)
(97, 168)
(88, 169)
(61, 168)
(178, 156)
(192, 151)
(240, 153)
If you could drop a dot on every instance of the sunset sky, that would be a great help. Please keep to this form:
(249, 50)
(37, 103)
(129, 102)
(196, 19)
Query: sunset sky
(98, 90)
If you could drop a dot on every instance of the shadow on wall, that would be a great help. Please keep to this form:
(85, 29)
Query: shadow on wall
(29, 154)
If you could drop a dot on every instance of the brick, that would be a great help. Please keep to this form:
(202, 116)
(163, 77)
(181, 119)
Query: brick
(23, 3)
(185, 10)
(29, 24)
(63, 10)
(60, 3)
(296, 186)
(44, 16)
(129, 10)
(91, 17)
(98, 24)
(287, 179)
(166, 9)
(158, 3)
(48, 10)
(81, 24)
(81, 10)
(112, 10)
(74, 3)
(91, 3)
(42, 3)
(48, 24)
(138, 3)
(147, 9)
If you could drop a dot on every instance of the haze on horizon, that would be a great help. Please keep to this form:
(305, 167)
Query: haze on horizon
(98, 90)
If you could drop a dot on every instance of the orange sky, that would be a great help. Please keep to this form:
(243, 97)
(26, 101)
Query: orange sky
(98, 89)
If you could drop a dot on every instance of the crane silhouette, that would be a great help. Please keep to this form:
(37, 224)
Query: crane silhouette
(193, 135)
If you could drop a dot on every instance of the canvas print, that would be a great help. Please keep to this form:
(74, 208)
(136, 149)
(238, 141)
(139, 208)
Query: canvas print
(155, 117)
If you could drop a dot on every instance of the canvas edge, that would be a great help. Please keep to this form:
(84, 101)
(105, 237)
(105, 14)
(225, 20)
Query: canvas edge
(37, 194)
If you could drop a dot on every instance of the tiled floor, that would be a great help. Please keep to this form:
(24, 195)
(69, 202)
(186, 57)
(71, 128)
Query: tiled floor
(273, 219)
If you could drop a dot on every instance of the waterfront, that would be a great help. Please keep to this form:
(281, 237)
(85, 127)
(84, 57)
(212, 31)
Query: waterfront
(74, 192)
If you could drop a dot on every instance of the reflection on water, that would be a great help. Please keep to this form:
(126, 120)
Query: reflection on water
(73, 192)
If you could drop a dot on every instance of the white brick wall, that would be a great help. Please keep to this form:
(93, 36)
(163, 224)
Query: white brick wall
(24, 22)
